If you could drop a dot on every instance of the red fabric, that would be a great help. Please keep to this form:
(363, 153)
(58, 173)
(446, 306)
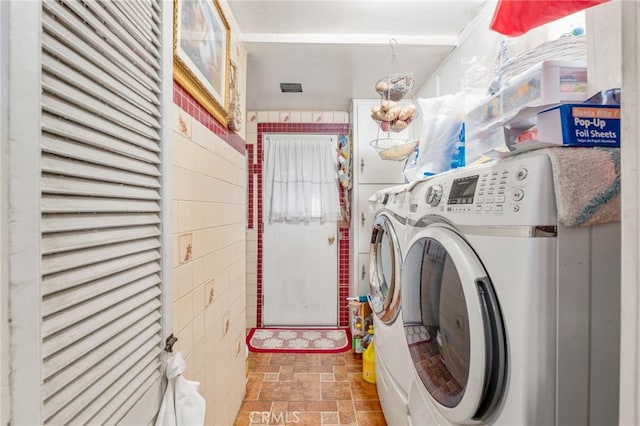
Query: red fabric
(516, 17)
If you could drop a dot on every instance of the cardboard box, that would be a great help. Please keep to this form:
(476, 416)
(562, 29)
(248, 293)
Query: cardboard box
(580, 125)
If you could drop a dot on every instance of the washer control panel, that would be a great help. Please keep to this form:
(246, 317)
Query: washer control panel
(511, 187)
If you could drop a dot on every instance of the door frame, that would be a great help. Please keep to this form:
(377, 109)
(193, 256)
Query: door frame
(336, 232)
(307, 125)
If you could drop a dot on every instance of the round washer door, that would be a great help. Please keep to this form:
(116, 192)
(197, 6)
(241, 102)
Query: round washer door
(384, 269)
(453, 326)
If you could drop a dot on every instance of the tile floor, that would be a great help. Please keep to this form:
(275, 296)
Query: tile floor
(308, 389)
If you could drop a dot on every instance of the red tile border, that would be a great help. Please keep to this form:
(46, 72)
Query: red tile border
(250, 187)
(184, 100)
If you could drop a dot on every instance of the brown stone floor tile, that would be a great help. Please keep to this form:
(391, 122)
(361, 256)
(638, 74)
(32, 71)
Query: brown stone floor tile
(280, 408)
(309, 390)
(271, 377)
(307, 359)
(286, 373)
(243, 419)
(327, 377)
(305, 387)
(346, 414)
(253, 385)
(258, 358)
(313, 405)
(300, 368)
(361, 389)
(282, 359)
(370, 418)
(255, 406)
(265, 368)
(275, 391)
(308, 418)
(354, 368)
(351, 360)
(368, 405)
(335, 390)
(330, 418)
(340, 373)
(333, 359)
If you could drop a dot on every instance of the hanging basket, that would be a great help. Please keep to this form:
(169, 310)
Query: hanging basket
(393, 118)
(397, 149)
(395, 86)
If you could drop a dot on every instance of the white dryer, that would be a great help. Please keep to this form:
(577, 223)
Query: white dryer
(393, 362)
(519, 314)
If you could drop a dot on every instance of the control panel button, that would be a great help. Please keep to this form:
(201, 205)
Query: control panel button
(433, 195)
(522, 174)
(517, 195)
(515, 208)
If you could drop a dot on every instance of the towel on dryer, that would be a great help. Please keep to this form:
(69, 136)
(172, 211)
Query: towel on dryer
(587, 184)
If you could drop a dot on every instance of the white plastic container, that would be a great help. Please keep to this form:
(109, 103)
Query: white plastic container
(549, 82)
(521, 97)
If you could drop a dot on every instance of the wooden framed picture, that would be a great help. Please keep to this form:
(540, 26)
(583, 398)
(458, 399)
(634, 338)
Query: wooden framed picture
(201, 38)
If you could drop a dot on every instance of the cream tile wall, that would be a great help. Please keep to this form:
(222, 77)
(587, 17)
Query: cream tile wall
(253, 118)
(209, 264)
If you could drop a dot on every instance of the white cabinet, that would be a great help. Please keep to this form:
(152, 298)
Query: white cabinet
(370, 174)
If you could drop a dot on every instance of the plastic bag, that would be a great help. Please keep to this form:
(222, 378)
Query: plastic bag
(441, 145)
(182, 405)
(516, 17)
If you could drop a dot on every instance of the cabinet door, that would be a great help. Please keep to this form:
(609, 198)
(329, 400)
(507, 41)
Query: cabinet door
(364, 218)
(363, 274)
(370, 167)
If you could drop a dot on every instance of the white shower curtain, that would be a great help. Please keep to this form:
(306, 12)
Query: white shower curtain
(300, 178)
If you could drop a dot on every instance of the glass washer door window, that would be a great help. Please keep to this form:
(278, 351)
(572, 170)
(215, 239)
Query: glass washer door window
(454, 331)
(384, 269)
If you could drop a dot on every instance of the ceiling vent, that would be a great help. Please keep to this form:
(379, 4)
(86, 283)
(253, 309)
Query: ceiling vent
(291, 87)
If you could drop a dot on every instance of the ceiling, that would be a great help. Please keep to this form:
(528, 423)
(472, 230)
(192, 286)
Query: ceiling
(339, 49)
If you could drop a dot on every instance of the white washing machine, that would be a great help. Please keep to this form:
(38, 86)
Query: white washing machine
(393, 362)
(519, 313)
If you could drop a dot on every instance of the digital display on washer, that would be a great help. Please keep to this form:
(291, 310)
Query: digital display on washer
(462, 190)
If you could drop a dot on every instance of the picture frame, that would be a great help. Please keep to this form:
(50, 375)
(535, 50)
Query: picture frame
(201, 38)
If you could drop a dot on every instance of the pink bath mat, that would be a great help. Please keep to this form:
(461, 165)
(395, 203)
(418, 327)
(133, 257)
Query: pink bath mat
(299, 340)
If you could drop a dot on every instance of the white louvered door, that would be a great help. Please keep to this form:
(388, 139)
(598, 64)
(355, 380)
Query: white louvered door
(101, 210)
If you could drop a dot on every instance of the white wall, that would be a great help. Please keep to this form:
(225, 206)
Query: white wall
(209, 272)
(209, 254)
(629, 38)
(4, 277)
(476, 42)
